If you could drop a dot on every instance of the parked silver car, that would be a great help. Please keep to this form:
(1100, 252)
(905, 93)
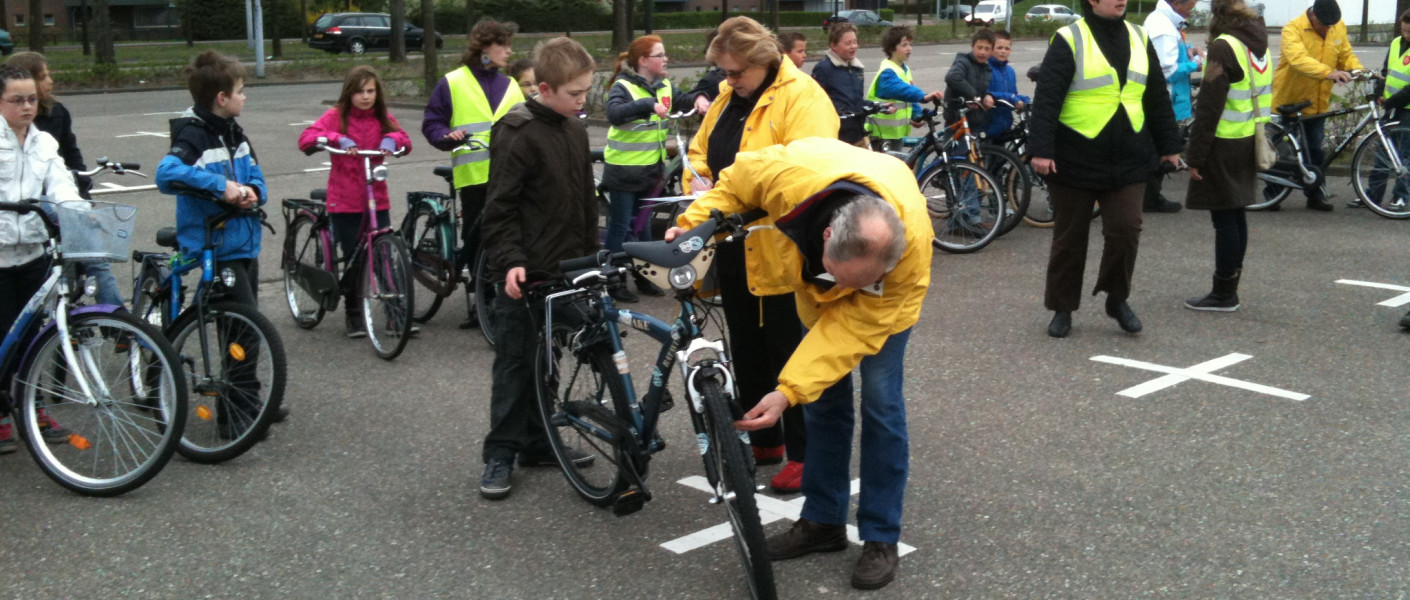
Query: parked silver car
(1051, 12)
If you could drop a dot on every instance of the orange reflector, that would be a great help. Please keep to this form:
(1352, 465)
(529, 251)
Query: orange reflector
(237, 351)
(78, 441)
(203, 412)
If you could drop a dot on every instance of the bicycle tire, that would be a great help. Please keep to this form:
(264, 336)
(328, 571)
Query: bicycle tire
(140, 420)
(1013, 178)
(728, 458)
(302, 246)
(485, 291)
(1364, 175)
(941, 184)
(388, 296)
(432, 259)
(1273, 194)
(563, 375)
(225, 420)
(148, 303)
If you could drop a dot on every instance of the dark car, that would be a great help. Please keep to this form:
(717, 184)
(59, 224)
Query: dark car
(860, 18)
(359, 32)
(7, 45)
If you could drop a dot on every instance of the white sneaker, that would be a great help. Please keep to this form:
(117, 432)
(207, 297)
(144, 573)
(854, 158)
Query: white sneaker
(1354, 203)
(1397, 204)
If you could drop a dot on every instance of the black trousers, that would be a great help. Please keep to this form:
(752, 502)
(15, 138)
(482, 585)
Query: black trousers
(242, 407)
(346, 227)
(515, 423)
(17, 285)
(763, 333)
(1072, 222)
(472, 203)
(1230, 240)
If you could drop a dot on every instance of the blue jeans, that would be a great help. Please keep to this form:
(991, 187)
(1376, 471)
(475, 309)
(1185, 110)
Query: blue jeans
(622, 210)
(885, 448)
(108, 292)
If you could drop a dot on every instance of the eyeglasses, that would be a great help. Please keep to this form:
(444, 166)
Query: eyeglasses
(22, 100)
(735, 74)
(660, 56)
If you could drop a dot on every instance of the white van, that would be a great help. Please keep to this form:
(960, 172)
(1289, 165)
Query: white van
(989, 12)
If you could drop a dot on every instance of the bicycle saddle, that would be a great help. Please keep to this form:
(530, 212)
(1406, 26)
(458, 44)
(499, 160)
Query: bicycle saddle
(445, 172)
(675, 253)
(166, 237)
(319, 194)
(1288, 110)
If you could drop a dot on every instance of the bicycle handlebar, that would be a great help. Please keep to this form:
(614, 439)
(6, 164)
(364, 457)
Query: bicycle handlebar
(117, 168)
(668, 117)
(32, 206)
(323, 145)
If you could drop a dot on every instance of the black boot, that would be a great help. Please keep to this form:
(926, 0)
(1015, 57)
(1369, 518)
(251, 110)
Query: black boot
(1154, 201)
(1125, 317)
(1317, 200)
(1223, 298)
(352, 311)
(1061, 324)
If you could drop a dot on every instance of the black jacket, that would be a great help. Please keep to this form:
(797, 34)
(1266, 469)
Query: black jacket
(540, 205)
(709, 84)
(59, 124)
(846, 85)
(965, 81)
(622, 109)
(1117, 156)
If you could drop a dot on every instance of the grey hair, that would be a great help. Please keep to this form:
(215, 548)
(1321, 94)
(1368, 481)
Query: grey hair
(848, 241)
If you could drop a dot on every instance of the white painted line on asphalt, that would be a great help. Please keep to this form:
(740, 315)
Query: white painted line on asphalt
(1200, 372)
(770, 510)
(113, 188)
(328, 166)
(144, 133)
(301, 124)
(179, 112)
(1395, 302)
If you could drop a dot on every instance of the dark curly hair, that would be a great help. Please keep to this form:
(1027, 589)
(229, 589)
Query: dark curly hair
(486, 33)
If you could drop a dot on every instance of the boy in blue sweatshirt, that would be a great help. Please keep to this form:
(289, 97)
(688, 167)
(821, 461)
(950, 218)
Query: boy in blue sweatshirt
(1003, 85)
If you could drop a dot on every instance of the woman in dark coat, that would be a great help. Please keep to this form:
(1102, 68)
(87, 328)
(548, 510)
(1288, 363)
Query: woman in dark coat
(1222, 173)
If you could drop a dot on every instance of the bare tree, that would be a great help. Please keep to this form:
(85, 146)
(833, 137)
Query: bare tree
(398, 41)
(428, 45)
(303, 21)
(773, 15)
(103, 26)
(36, 25)
(724, 10)
(83, 14)
(621, 25)
(469, 17)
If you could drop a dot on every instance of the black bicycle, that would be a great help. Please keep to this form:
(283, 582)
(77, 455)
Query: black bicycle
(589, 404)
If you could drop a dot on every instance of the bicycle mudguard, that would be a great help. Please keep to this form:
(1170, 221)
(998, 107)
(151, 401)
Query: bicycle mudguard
(318, 283)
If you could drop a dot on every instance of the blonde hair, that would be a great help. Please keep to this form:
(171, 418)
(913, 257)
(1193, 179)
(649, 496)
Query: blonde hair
(747, 41)
(561, 60)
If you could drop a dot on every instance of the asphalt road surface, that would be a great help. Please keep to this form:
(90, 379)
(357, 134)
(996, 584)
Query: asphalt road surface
(1161, 470)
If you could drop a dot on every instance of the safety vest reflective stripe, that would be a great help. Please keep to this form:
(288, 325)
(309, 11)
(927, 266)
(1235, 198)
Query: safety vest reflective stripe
(895, 125)
(1095, 93)
(1256, 88)
(1397, 71)
(641, 142)
(470, 112)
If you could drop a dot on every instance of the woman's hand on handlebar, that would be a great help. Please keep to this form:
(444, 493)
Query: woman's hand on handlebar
(701, 184)
(513, 282)
(671, 233)
(455, 134)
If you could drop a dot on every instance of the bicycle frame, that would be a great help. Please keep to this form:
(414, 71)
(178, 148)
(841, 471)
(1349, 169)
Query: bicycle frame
(369, 231)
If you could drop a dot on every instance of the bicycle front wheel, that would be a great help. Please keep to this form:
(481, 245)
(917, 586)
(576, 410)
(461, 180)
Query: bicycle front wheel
(387, 296)
(730, 469)
(1373, 173)
(303, 251)
(485, 291)
(580, 395)
(1013, 178)
(232, 408)
(122, 434)
(432, 252)
(966, 208)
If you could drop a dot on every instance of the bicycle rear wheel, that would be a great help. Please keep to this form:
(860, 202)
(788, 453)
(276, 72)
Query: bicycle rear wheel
(580, 398)
(1271, 194)
(730, 469)
(485, 291)
(303, 250)
(148, 302)
(387, 296)
(124, 434)
(1013, 178)
(1373, 173)
(432, 251)
(232, 410)
(965, 207)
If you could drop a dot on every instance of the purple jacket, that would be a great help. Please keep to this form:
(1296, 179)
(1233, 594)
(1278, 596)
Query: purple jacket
(436, 122)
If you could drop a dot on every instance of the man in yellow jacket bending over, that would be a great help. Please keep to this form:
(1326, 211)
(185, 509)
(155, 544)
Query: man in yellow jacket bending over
(855, 250)
(1315, 55)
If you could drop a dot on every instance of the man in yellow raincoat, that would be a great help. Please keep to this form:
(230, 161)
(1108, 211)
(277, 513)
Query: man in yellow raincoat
(1315, 55)
(851, 238)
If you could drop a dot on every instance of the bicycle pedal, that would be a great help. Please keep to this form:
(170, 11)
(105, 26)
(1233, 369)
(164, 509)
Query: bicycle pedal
(628, 502)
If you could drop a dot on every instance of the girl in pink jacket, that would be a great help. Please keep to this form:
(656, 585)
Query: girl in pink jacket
(358, 121)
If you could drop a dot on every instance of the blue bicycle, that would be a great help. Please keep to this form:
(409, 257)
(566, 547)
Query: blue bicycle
(233, 357)
(106, 377)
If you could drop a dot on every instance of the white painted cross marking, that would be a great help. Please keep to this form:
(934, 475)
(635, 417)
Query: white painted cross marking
(1395, 302)
(1203, 372)
(770, 509)
(145, 133)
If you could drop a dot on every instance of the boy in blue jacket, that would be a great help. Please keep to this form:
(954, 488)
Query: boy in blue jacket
(209, 151)
(1003, 85)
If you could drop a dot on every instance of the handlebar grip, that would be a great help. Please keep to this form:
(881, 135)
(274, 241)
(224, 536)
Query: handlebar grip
(747, 217)
(19, 207)
(128, 166)
(590, 261)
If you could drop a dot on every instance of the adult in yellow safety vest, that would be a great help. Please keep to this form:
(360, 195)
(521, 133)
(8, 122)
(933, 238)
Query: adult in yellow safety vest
(1101, 118)
(464, 106)
(1237, 93)
(854, 247)
(1394, 91)
(638, 103)
(1315, 55)
(894, 83)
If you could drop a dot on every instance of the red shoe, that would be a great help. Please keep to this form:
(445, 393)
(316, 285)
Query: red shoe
(789, 480)
(768, 455)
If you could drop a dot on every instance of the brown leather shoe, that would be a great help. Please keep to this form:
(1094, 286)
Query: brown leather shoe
(807, 537)
(876, 567)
